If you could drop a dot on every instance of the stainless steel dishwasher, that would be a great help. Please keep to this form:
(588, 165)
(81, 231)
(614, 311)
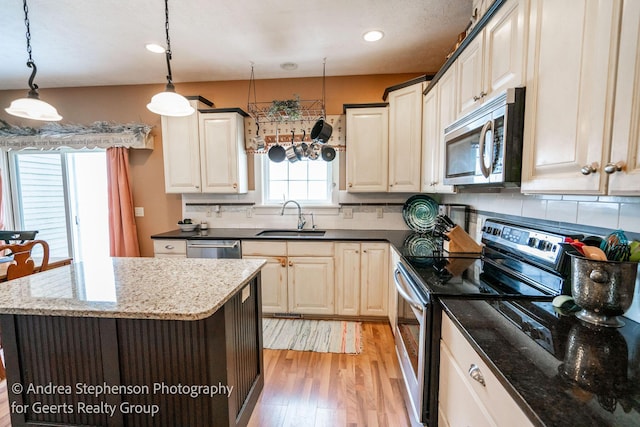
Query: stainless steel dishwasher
(214, 249)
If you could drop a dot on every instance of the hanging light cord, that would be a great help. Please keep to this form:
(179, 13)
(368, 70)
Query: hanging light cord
(324, 66)
(33, 93)
(170, 86)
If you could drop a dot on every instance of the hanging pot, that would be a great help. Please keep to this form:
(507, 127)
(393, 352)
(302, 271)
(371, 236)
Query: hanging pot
(328, 153)
(257, 142)
(314, 151)
(302, 149)
(291, 150)
(321, 131)
(277, 152)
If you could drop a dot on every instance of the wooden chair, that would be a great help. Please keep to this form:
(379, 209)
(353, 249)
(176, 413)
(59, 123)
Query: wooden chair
(22, 264)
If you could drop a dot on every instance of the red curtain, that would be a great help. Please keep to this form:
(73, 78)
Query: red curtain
(123, 235)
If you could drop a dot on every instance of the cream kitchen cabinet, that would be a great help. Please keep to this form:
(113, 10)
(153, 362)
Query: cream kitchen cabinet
(362, 272)
(298, 277)
(495, 59)
(464, 377)
(570, 84)
(367, 136)
(625, 142)
(438, 111)
(405, 138)
(170, 248)
(181, 152)
(273, 274)
(204, 152)
(223, 159)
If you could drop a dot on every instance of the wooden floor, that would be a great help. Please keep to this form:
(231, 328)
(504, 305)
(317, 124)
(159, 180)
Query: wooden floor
(327, 389)
(303, 388)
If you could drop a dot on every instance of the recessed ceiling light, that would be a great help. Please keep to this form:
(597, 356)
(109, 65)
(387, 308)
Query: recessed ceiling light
(289, 66)
(155, 48)
(373, 36)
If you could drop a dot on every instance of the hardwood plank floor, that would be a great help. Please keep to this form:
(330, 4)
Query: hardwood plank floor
(327, 389)
(307, 389)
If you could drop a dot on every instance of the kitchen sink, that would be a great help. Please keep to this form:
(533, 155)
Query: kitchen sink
(291, 233)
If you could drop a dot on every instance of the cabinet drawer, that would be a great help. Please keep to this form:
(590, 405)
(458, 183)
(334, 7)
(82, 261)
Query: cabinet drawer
(263, 247)
(310, 249)
(502, 408)
(170, 247)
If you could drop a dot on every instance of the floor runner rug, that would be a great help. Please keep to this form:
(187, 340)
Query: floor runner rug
(324, 336)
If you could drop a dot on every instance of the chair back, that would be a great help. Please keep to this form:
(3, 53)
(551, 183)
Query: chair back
(17, 236)
(23, 264)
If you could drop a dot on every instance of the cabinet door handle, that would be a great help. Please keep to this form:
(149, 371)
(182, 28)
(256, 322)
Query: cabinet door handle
(350, 185)
(169, 247)
(290, 263)
(610, 168)
(235, 185)
(589, 169)
(364, 252)
(474, 372)
(283, 262)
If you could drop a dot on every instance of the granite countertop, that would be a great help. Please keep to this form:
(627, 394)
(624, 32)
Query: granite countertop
(395, 237)
(142, 288)
(603, 362)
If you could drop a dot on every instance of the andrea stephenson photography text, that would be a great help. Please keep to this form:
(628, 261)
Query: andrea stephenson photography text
(105, 389)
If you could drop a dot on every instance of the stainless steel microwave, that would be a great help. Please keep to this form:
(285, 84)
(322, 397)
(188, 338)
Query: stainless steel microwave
(485, 146)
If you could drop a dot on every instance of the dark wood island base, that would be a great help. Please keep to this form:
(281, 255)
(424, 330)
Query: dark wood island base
(100, 371)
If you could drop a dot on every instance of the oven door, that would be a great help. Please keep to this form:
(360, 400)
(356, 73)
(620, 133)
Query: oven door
(412, 341)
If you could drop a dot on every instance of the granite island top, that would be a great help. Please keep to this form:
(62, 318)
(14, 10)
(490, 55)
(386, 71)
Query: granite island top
(142, 288)
(591, 376)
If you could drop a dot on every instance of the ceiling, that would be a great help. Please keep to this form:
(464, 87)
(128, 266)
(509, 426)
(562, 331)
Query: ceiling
(101, 42)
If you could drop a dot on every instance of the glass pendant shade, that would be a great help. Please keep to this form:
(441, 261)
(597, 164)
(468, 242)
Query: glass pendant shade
(33, 108)
(170, 104)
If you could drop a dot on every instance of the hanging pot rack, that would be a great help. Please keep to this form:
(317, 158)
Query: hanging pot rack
(310, 110)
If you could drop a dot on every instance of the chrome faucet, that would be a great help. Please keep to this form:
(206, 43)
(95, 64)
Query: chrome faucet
(301, 220)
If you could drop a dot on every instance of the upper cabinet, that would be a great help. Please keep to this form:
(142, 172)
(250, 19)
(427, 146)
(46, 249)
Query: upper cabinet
(571, 81)
(367, 135)
(181, 152)
(405, 138)
(625, 143)
(204, 152)
(223, 160)
(494, 60)
(438, 111)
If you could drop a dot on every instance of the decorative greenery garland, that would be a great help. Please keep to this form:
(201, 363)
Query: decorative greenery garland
(57, 129)
(287, 110)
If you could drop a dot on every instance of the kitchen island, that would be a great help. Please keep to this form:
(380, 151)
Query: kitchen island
(134, 341)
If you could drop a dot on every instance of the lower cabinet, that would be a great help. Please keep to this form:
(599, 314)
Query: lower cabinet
(170, 248)
(466, 380)
(298, 277)
(362, 286)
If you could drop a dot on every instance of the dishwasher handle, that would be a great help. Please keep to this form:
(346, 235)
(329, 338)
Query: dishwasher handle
(213, 245)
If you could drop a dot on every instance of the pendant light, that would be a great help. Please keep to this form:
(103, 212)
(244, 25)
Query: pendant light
(169, 103)
(32, 107)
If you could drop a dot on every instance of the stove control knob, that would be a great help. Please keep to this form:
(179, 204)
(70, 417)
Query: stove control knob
(533, 242)
(496, 231)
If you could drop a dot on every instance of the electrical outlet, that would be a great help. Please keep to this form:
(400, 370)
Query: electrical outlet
(379, 213)
(138, 211)
(208, 213)
(218, 214)
(347, 213)
(249, 212)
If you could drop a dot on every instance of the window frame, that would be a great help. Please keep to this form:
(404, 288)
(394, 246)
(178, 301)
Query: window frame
(262, 178)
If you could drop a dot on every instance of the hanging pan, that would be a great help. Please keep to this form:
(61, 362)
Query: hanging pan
(321, 131)
(277, 152)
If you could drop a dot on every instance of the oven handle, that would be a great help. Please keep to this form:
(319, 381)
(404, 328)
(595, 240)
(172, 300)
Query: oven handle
(486, 170)
(212, 245)
(400, 287)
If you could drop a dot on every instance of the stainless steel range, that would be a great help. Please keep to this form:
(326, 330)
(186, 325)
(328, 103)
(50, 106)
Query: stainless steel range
(519, 262)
